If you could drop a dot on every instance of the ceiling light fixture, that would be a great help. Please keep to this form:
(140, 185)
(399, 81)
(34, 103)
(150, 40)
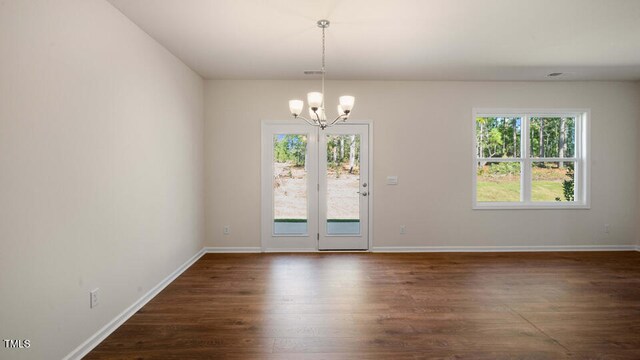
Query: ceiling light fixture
(315, 100)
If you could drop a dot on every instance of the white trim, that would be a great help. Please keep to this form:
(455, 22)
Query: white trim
(95, 339)
(296, 250)
(547, 112)
(529, 206)
(231, 250)
(289, 250)
(526, 173)
(426, 249)
(265, 222)
(371, 197)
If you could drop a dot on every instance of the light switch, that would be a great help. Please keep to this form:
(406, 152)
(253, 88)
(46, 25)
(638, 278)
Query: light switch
(392, 180)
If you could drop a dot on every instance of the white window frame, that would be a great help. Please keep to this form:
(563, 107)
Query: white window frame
(581, 158)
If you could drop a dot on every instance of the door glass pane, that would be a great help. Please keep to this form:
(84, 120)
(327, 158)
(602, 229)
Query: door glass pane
(552, 181)
(553, 137)
(498, 137)
(290, 211)
(343, 184)
(498, 182)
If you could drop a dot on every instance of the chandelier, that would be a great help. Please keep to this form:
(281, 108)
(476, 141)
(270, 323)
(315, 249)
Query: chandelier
(315, 100)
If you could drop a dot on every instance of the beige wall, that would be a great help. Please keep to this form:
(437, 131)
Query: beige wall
(100, 169)
(101, 153)
(414, 122)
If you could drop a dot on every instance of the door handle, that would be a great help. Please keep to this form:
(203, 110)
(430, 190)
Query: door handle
(364, 193)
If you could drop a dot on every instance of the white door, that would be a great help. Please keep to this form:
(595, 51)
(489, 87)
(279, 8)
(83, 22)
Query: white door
(289, 187)
(344, 187)
(315, 188)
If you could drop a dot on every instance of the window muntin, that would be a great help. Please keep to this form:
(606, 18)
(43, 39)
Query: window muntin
(552, 173)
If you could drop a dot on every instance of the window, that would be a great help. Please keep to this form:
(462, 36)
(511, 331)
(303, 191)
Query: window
(530, 159)
(290, 180)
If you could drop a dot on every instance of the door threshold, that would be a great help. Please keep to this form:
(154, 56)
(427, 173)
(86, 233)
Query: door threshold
(343, 250)
(312, 251)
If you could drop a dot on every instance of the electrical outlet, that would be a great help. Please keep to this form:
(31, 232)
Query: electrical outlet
(226, 230)
(93, 296)
(607, 228)
(403, 229)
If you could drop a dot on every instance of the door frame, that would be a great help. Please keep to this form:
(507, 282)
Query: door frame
(266, 190)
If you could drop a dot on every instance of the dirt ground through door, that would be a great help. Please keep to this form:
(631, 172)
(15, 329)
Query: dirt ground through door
(290, 193)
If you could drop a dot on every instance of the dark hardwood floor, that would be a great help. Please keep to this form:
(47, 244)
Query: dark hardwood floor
(391, 306)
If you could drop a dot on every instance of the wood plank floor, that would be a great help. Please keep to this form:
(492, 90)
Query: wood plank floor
(391, 306)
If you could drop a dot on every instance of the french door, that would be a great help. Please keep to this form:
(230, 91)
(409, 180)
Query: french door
(315, 187)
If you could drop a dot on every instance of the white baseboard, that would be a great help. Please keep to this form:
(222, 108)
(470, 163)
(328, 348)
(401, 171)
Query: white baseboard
(219, 249)
(395, 249)
(232, 250)
(106, 330)
(290, 250)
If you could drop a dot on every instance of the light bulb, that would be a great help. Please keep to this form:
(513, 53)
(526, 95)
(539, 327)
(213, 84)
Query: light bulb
(323, 117)
(347, 103)
(314, 99)
(340, 111)
(295, 106)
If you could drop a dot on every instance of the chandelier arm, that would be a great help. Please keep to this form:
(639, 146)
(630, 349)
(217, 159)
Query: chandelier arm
(340, 117)
(306, 120)
(317, 117)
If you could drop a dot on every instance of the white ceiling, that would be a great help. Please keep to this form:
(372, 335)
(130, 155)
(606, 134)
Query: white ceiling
(398, 39)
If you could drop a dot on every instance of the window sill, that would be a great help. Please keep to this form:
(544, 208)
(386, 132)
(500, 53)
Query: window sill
(529, 206)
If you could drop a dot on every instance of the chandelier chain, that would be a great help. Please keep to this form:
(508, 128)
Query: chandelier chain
(323, 68)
